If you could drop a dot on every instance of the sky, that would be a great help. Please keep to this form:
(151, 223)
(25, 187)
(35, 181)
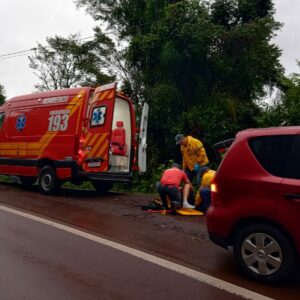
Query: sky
(23, 24)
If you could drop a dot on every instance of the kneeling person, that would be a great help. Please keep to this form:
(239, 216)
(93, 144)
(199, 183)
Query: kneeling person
(203, 197)
(170, 185)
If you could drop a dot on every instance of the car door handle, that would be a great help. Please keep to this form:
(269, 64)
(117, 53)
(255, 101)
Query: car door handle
(292, 196)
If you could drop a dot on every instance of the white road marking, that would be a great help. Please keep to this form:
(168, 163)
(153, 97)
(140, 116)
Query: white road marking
(199, 276)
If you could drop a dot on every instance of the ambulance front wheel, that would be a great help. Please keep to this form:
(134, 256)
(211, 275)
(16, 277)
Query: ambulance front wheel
(48, 182)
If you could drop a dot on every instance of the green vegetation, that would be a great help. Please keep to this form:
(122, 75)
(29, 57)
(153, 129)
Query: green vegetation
(4, 178)
(201, 65)
(2, 94)
(69, 62)
(286, 110)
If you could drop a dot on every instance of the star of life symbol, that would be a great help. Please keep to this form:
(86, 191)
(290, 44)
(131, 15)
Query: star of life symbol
(98, 117)
(21, 122)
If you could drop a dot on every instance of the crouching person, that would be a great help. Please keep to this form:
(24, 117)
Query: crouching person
(170, 186)
(203, 197)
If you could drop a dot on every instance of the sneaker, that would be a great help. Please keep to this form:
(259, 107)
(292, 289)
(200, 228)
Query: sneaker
(187, 205)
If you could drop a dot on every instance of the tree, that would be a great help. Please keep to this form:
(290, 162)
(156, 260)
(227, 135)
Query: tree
(286, 109)
(187, 55)
(244, 57)
(2, 94)
(128, 18)
(238, 57)
(70, 62)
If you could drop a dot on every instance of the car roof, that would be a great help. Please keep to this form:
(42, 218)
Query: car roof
(53, 93)
(283, 130)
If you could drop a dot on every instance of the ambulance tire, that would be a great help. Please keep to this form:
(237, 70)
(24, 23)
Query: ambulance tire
(102, 187)
(47, 181)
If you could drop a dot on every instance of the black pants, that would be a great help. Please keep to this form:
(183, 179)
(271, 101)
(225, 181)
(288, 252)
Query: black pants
(172, 192)
(191, 174)
(206, 199)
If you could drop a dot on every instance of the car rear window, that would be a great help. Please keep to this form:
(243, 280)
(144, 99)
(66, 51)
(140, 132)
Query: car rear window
(273, 152)
(293, 165)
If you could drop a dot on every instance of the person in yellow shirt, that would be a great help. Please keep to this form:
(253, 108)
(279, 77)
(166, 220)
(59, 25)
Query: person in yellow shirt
(193, 155)
(203, 196)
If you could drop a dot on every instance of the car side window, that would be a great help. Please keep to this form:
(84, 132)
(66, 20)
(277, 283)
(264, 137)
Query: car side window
(293, 165)
(272, 152)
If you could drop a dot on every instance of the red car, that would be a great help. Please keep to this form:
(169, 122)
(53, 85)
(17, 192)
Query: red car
(255, 203)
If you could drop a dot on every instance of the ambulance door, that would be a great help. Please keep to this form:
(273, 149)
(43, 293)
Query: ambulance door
(142, 155)
(2, 137)
(97, 140)
(121, 139)
(2, 118)
(16, 133)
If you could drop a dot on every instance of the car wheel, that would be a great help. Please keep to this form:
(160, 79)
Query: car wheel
(263, 253)
(48, 182)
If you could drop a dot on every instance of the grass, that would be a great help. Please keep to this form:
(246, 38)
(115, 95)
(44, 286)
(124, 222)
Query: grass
(4, 178)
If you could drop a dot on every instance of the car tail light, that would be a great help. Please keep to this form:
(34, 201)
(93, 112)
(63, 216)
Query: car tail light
(213, 185)
(214, 191)
(214, 188)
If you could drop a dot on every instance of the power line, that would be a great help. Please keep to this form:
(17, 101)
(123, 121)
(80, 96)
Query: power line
(15, 56)
(26, 52)
(16, 53)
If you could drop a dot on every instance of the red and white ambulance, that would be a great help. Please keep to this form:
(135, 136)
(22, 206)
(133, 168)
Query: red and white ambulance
(76, 135)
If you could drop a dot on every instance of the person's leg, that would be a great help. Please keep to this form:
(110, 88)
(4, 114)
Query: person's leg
(190, 174)
(175, 198)
(191, 197)
(185, 193)
(162, 191)
(206, 199)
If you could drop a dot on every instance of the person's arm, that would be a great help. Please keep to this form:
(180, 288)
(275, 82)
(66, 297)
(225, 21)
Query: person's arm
(201, 154)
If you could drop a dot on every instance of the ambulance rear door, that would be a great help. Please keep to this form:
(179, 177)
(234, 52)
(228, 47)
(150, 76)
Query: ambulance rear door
(96, 142)
(142, 155)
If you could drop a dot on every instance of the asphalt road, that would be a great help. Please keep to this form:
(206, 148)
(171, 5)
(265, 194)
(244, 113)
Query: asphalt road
(39, 261)
(42, 262)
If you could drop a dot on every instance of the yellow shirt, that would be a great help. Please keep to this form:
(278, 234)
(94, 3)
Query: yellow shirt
(205, 183)
(193, 153)
(207, 179)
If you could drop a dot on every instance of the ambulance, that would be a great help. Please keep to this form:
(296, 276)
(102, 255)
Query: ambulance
(77, 134)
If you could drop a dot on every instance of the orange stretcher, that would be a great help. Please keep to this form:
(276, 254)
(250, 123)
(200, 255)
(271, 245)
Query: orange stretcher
(189, 212)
